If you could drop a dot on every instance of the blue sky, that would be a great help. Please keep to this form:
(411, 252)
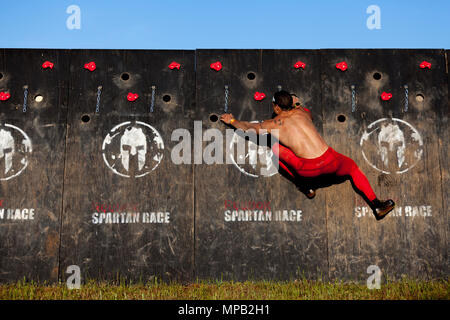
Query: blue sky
(229, 24)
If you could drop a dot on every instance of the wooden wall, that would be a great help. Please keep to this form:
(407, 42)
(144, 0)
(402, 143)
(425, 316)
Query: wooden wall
(87, 177)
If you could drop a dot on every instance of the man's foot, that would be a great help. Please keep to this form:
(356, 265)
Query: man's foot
(310, 193)
(382, 208)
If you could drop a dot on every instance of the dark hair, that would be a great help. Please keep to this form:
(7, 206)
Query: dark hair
(283, 99)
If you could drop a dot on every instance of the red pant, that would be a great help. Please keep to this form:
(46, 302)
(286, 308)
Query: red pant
(331, 162)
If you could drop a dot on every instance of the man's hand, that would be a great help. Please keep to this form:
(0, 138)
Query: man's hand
(226, 117)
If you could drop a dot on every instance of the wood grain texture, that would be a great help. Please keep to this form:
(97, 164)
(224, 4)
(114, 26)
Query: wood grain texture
(414, 246)
(67, 180)
(255, 249)
(29, 248)
(131, 250)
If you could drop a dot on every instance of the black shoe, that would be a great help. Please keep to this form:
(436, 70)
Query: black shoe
(310, 193)
(382, 208)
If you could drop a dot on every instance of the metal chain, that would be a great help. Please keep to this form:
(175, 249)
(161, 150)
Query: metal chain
(99, 92)
(353, 98)
(226, 100)
(25, 98)
(152, 104)
(406, 97)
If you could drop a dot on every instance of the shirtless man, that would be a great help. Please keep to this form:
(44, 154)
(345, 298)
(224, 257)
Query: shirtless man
(302, 151)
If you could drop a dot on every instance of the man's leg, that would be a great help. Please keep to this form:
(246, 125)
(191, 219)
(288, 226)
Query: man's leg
(282, 165)
(347, 166)
(285, 153)
(341, 166)
(309, 192)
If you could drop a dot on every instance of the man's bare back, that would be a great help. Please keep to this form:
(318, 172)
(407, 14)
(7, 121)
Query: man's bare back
(297, 132)
(293, 128)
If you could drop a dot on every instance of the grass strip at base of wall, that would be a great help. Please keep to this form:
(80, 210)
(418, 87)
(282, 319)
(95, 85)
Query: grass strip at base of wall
(405, 289)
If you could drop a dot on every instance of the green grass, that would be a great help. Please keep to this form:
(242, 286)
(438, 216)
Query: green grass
(223, 290)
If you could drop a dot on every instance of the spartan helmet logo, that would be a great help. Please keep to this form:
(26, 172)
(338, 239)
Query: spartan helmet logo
(391, 139)
(15, 148)
(129, 142)
(133, 142)
(6, 149)
(391, 145)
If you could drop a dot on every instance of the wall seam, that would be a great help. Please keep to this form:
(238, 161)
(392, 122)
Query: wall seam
(323, 133)
(194, 212)
(446, 62)
(441, 149)
(61, 215)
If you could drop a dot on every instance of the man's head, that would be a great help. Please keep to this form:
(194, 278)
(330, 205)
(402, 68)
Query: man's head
(282, 101)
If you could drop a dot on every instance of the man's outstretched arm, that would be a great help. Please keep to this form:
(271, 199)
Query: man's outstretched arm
(260, 127)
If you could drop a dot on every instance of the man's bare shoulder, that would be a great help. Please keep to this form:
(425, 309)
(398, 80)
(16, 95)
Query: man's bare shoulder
(300, 113)
(272, 123)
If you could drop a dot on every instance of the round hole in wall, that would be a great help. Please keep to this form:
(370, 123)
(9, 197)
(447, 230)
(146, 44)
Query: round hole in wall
(166, 98)
(125, 76)
(38, 98)
(341, 118)
(251, 76)
(377, 76)
(420, 97)
(213, 117)
(85, 118)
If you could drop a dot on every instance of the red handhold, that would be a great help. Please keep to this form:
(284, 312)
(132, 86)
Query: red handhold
(174, 65)
(259, 96)
(386, 96)
(4, 96)
(132, 96)
(425, 64)
(342, 66)
(90, 66)
(299, 64)
(47, 64)
(216, 66)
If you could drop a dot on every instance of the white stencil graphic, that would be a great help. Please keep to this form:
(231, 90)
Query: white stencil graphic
(15, 147)
(133, 149)
(255, 161)
(398, 145)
